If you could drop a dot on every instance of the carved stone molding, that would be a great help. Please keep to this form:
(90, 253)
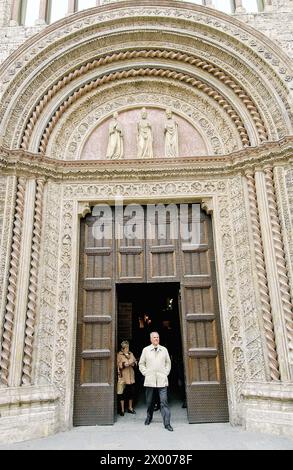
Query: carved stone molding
(282, 269)
(44, 341)
(141, 72)
(151, 54)
(75, 43)
(242, 327)
(12, 284)
(273, 153)
(289, 214)
(262, 279)
(207, 204)
(83, 209)
(33, 284)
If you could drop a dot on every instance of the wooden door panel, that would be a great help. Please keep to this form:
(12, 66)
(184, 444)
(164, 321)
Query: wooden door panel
(94, 380)
(162, 250)
(130, 252)
(204, 365)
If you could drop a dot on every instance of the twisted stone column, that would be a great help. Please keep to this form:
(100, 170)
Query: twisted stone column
(262, 280)
(33, 283)
(12, 283)
(282, 270)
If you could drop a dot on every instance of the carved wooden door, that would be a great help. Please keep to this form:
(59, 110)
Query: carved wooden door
(95, 355)
(203, 352)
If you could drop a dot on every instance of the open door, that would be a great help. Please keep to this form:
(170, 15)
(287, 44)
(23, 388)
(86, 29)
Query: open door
(203, 352)
(95, 355)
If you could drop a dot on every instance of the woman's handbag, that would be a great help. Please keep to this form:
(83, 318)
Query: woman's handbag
(120, 386)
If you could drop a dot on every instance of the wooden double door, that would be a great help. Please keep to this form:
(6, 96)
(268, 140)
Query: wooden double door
(149, 253)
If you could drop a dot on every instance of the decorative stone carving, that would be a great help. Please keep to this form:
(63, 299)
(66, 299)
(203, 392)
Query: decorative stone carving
(12, 284)
(6, 242)
(44, 342)
(262, 279)
(226, 79)
(246, 287)
(33, 286)
(72, 131)
(115, 148)
(282, 269)
(171, 136)
(144, 137)
(76, 127)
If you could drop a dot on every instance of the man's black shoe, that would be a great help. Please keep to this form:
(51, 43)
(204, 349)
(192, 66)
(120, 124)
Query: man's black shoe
(147, 421)
(169, 427)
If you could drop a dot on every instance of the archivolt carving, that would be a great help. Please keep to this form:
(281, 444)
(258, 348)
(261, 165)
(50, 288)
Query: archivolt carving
(149, 73)
(229, 31)
(79, 37)
(12, 284)
(280, 258)
(262, 279)
(72, 131)
(161, 54)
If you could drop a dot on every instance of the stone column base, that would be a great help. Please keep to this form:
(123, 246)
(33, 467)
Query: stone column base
(28, 413)
(268, 407)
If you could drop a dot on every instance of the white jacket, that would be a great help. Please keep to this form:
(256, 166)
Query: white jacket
(155, 366)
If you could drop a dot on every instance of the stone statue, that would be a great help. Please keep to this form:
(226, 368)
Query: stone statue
(144, 137)
(171, 136)
(115, 149)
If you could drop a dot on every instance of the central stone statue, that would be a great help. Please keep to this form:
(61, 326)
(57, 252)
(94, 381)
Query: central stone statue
(144, 137)
(171, 136)
(115, 149)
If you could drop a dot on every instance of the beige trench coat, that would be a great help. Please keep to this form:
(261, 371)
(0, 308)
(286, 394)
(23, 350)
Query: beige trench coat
(125, 366)
(155, 366)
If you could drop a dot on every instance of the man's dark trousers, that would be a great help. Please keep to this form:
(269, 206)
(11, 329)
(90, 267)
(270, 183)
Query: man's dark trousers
(165, 411)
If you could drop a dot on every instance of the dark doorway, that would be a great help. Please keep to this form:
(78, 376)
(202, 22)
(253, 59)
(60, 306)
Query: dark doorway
(143, 308)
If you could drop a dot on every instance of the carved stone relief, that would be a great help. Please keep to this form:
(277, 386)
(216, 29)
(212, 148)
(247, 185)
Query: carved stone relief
(6, 206)
(57, 329)
(45, 335)
(72, 131)
(246, 287)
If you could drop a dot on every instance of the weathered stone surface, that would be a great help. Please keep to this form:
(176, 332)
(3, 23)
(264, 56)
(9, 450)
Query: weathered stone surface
(229, 89)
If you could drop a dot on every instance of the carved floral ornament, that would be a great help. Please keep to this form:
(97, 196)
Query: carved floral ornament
(37, 103)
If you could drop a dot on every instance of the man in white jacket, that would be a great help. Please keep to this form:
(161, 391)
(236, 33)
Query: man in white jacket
(155, 365)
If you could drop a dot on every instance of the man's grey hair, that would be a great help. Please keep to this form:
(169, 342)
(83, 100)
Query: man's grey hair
(154, 333)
